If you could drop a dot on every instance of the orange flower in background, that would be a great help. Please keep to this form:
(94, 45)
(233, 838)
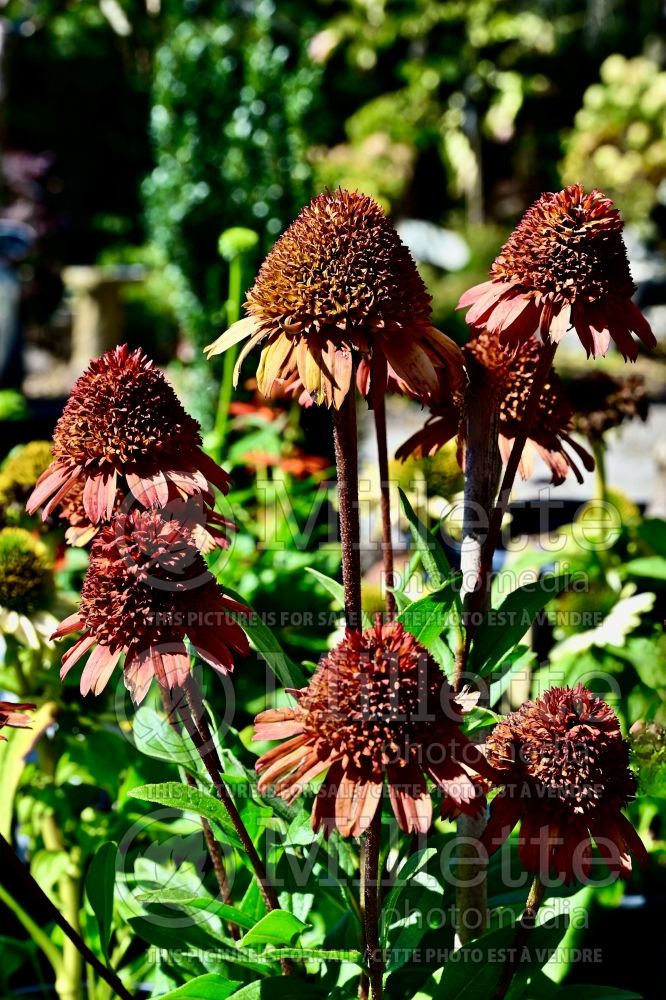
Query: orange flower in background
(378, 709)
(13, 714)
(146, 590)
(340, 283)
(565, 265)
(565, 770)
(123, 428)
(511, 372)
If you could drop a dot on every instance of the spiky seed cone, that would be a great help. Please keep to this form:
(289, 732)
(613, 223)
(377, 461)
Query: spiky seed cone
(146, 590)
(340, 284)
(510, 372)
(123, 427)
(564, 265)
(564, 767)
(377, 710)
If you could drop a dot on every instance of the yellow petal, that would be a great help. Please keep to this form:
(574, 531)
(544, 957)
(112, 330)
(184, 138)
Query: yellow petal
(272, 363)
(237, 332)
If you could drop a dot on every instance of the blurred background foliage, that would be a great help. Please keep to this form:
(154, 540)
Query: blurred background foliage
(162, 123)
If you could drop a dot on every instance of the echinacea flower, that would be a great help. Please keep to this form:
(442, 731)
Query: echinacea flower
(146, 590)
(564, 265)
(12, 713)
(123, 427)
(511, 374)
(565, 770)
(27, 591)
(340, 285)
(377, 710)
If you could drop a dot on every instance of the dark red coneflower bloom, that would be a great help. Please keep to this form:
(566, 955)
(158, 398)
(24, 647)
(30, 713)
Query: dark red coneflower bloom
(511, 374)
(340, 283)
(146, 590)
(13, 714)
(123, 427)
(564, 265)
(566, 777)
(378, 709)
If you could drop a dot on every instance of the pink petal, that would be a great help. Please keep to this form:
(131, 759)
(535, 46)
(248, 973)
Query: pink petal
(50, 481)
(75, 653)
(149, 490)
(72, 623)
(476, 292)
(98, 669)
(213, 472)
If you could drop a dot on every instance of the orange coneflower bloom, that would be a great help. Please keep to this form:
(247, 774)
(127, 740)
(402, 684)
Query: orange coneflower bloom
(338, 285)
(123, 428)
(566, 777)
(378, 710)
(146, 590)
(565, 265)
(511, 373)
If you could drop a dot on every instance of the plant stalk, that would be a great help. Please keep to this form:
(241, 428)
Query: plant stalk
(525, 927)
(371, 906)
(379, 410)
(196, 724)
(346, 461)
(33, 889)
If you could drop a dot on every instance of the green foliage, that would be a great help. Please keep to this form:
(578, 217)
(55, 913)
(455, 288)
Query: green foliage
(231, 97)
(618, 141)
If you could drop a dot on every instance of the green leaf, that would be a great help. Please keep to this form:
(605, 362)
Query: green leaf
(427, 618)
(284, 987)
(336, 590)
(651, 567)
(181, 896)
(47, 867)
(265, 642)
(100, 885)
(13, 755)
(432, 554)
(156, 738)
(178, 796)
(208, 987)
(504, 627)
(277, 928)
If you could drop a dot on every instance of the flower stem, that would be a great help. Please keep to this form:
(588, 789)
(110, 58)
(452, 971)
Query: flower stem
(379, 409)
(541, 371)
(214, 852)
(199, 732)
(370, 905)
(227, 385)
(346, 461)
(31, 888)
(523, 931)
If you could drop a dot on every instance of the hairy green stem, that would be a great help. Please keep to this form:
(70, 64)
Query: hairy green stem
(379, 409)
(525, 927)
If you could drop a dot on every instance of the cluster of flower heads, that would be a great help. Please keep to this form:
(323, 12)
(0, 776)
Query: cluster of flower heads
(565, 265)
(340, 288)
(128, 473)
(379, 711)
(508, 374)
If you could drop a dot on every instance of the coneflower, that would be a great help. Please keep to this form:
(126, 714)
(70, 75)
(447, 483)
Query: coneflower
(511, 373)
(378, 710)
(146, 591)
(339, 286)
(565, 770)
(123, 428)
(565, 265)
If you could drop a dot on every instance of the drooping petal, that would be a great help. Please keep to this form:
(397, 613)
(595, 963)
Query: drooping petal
(237, 332)
(98, 669)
